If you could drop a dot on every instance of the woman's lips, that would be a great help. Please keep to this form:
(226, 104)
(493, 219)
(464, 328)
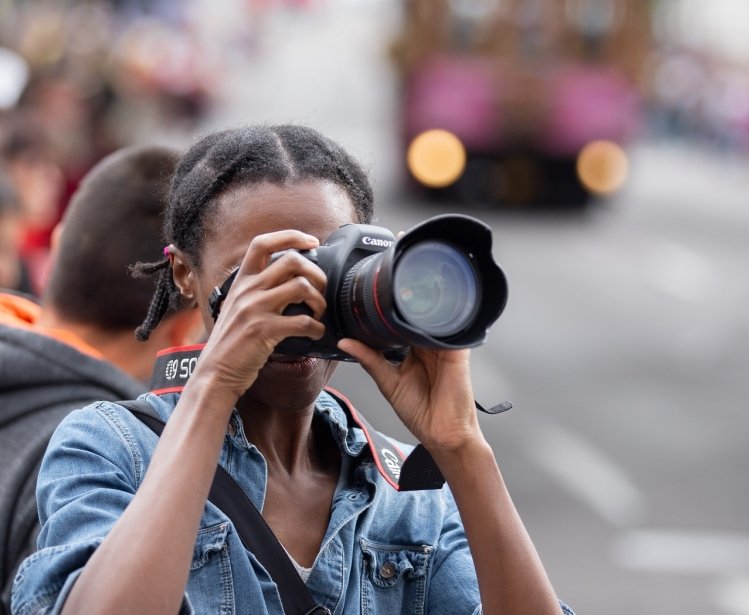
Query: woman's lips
(293, 364)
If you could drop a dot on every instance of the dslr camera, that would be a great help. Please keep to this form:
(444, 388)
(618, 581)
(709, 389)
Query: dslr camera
(436, 286)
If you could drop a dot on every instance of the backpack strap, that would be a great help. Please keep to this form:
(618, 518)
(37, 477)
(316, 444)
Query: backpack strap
(252, 529)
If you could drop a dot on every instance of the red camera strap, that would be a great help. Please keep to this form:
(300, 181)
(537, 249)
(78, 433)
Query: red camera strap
(417, 471)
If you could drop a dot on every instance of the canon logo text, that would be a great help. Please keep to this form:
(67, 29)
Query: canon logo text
(374, 241)
(392, 462)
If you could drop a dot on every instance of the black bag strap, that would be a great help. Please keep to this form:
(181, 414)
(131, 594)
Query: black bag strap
(253, 531)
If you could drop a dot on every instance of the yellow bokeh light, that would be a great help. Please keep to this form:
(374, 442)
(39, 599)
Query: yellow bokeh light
(436, 158)
(602, 167)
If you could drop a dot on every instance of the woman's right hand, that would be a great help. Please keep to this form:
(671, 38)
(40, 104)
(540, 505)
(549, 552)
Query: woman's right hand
(251, 322)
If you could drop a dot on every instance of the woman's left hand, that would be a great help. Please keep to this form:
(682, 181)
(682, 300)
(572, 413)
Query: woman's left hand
(430, 391)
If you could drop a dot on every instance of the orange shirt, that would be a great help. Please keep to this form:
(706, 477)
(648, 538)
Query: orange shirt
(22, 313)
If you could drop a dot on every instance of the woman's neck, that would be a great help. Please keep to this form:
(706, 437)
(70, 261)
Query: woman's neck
(291, 440)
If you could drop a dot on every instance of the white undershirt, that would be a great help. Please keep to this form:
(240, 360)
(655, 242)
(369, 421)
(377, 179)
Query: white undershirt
(303, 572)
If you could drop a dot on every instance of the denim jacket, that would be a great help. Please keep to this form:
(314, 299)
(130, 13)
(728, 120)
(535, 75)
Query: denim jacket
(384, 551)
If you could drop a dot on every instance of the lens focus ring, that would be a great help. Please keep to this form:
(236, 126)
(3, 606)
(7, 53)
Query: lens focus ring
(361, 317)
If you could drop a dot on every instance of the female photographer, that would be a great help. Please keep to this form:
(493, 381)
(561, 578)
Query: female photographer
(126, 528)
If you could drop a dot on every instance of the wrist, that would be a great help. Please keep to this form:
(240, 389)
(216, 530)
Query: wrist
(452, 430)
(463, 453)
(207, 397)
(222, 388)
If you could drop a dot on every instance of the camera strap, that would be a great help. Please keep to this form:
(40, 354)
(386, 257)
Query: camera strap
(413, 472)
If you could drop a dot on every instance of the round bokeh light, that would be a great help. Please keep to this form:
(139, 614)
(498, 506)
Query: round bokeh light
(436, 158)
(602, 167)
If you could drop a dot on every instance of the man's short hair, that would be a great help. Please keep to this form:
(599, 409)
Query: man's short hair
(112, 222)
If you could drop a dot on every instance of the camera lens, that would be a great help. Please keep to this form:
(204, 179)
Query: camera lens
(435, 288)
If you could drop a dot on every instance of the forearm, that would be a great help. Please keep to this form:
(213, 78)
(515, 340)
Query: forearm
(510, 574)
(132, 571)
(431, 393)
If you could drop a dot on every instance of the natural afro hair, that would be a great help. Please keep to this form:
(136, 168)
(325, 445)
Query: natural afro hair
(239, 157)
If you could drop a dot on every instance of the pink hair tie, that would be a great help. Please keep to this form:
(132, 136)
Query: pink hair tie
(166, 251)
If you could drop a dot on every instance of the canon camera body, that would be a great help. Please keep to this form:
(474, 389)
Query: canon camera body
(436, 286)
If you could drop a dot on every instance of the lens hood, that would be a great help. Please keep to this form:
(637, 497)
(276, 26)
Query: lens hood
(473, 239)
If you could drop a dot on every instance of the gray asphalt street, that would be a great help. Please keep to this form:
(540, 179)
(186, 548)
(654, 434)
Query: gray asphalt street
(624, 346)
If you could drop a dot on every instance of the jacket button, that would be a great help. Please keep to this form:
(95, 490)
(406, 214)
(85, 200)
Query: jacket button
(387, 570)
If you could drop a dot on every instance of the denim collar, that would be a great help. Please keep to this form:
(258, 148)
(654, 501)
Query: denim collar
(351, 440)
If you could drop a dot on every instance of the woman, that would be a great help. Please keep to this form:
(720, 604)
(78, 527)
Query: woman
(118, 539)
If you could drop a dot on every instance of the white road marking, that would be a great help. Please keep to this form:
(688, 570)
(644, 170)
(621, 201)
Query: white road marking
(670, 550)
(588, 474)
(575, 464)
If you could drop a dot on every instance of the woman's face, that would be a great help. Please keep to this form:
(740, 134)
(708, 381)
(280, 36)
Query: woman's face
(316, 207)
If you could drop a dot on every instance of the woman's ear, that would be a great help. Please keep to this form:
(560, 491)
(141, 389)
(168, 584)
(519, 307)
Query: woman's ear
(184, 277)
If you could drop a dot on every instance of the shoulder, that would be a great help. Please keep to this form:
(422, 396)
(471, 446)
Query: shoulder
(95, 420)
(107, 416)
(100, 434)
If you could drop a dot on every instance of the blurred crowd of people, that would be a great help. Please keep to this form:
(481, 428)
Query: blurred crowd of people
(699, 95)
(78, 81)
(699, 73)
(82, 78)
